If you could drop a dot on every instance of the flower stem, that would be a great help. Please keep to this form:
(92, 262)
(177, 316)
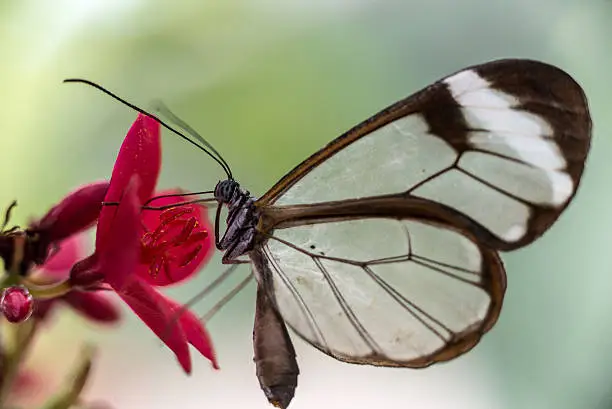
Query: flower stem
(47, 291)
(71, 395)
(22, 336)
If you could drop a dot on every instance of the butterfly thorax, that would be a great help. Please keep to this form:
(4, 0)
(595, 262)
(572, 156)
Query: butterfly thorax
(241, 220)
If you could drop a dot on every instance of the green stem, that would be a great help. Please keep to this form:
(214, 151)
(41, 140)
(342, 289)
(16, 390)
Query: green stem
(22, 337)
(70, 396)
(38, 289)
(48, 291)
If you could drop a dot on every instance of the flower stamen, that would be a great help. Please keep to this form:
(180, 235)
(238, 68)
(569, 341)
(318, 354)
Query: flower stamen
(189, 257)
(169, 215)
(175, 242)
(185, 233)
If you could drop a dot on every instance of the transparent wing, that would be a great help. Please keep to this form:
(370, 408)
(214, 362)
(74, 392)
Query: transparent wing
(383, 291)
(503, 143)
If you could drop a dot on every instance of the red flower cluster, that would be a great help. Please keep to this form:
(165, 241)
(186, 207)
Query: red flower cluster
(136, 250)
(94, 305)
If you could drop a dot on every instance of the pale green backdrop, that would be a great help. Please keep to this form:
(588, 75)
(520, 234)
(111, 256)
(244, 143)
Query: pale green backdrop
(269, 82)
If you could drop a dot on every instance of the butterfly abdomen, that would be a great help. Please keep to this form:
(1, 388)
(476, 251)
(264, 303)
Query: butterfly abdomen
(275, 363)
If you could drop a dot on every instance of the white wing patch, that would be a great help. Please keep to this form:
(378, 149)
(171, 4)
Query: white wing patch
(504, 173)
(525, 135)
(494, 171)
(543, 153)
(407, 290)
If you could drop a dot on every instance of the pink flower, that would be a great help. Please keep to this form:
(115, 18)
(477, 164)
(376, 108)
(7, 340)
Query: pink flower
(23, 249)
(43, 254)
(135, 252)
(93, 305)
(53, 245)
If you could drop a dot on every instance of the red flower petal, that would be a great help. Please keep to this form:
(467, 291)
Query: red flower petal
(93, 305)
(178, 243)
(140, 155)
(58, 264)
(195, 332)
(155, 311)
(119, 252)
(86, 272)
(76, 212)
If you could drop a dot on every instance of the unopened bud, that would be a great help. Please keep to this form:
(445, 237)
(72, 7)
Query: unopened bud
(16, 304)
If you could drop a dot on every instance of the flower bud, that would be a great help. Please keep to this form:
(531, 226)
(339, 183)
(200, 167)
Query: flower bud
(16, 304)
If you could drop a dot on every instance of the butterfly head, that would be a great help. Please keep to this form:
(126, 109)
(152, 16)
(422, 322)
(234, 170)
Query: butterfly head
(226, 191)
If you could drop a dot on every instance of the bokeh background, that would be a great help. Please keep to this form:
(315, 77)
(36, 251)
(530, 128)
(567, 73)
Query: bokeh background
(269, 82)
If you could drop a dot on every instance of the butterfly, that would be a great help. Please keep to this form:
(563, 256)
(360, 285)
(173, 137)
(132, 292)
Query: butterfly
(382, 248)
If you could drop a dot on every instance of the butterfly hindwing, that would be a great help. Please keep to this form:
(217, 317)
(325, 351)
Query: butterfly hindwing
(384, 290)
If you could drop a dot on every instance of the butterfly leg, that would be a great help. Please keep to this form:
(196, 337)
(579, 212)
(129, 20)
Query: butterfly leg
(240, 219)
(217, 223)
(241, 246)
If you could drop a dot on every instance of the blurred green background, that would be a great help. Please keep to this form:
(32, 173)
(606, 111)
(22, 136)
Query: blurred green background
(268, 82)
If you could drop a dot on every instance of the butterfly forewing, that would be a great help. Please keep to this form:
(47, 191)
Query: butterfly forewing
(385, 291)
(503, 143)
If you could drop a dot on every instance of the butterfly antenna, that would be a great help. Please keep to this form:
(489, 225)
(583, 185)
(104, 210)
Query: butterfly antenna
(205, 147)
(160, 107)
(205, 192)
(7, 216)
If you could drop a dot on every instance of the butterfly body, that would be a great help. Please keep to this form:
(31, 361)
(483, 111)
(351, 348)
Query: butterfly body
(241, 221)
(274, 355)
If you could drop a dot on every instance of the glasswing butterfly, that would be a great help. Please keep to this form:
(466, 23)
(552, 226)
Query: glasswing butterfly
(382, 248)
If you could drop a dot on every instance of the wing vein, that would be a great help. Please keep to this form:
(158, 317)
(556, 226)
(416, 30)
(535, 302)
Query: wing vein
(312, 322)
(439, 263)
(406, 303)
(446, 273)
(350, 314)
(492, 186)
(501, 156)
